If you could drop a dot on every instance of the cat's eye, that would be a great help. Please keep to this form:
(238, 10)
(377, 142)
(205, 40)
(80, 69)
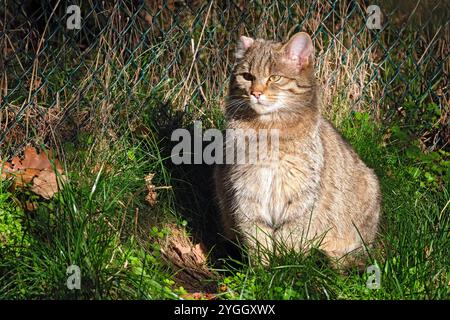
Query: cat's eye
(247, 76)
(274, 78)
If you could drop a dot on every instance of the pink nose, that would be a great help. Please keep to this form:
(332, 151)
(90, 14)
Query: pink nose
(257, 94)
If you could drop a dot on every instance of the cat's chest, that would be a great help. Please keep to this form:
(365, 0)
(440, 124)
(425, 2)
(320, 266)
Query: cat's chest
(274, 179)
(271, 189)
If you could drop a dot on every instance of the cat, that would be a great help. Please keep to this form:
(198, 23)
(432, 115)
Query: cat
(317, 190)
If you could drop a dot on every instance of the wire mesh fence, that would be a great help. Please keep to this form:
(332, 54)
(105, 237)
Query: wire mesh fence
(64, 71)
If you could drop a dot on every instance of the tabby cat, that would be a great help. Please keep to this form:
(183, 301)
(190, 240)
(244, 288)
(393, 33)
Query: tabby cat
(317, 189)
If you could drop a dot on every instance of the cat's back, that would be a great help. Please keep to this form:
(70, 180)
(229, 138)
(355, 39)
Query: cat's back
(344, 173)
(337, 151)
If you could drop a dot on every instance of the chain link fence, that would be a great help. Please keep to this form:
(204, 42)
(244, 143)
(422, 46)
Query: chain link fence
(131, 60)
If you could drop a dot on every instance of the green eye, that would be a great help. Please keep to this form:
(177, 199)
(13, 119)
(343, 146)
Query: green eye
(247, 76)
(274, 78)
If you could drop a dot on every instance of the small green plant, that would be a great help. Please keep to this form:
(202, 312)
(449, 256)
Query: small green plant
(13, 237)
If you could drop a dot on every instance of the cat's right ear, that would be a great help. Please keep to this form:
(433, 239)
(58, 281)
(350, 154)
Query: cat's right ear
(242, 46)
(299, 50)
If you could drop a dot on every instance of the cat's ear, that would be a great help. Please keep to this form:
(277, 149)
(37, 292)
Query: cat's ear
(243, 44)
(299, 50)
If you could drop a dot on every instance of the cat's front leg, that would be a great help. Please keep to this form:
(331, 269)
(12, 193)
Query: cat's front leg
(297, 226)
(258, 237)
(297, 235)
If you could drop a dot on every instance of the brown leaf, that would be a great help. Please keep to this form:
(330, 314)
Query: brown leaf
(24, 177)
(190, 255)
(188, 260)
(45, 184)
(5, 170)
(36, 161)
(199, 252)
(35, 170)
(151, 197)
(16, 163)
(181, 249)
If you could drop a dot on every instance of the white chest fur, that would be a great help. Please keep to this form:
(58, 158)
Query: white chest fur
(267, 181)
(274, 191)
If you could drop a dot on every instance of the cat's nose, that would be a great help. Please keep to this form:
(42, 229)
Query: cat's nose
(257, 94)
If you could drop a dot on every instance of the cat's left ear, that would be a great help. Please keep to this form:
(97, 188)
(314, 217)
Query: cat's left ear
(242, 46)
(299, 50)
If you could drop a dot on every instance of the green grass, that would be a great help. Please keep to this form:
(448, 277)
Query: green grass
(89, 224)
(413, 251)
(109, 110)
(101, 222)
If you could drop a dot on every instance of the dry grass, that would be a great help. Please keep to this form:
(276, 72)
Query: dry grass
(137, 69)
(179, 54)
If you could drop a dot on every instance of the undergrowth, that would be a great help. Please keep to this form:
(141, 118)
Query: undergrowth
(108, 97)
(101, 222)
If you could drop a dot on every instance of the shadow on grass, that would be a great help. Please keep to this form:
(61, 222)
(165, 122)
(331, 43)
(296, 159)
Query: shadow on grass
(193, 187)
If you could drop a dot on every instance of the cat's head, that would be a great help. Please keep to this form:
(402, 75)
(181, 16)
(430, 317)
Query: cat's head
(272, 77)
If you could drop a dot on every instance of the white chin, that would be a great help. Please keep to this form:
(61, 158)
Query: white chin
(264, 109)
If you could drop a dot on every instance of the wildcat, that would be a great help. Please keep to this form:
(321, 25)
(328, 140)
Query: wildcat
(317, 190)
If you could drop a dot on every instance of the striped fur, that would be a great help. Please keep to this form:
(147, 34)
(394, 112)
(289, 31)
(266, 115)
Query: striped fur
(318, 190)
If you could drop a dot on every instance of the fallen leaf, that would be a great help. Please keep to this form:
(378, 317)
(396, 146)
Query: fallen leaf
(199, 252)
(34, 160)
(192, 255)
(45, 184)
(151, 197)
(34, 170)
(189, 260)
(24, 177)
(5, 169)
(181, 249)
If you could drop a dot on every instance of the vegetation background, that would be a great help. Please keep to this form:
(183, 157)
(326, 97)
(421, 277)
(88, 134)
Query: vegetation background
(105, 99)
